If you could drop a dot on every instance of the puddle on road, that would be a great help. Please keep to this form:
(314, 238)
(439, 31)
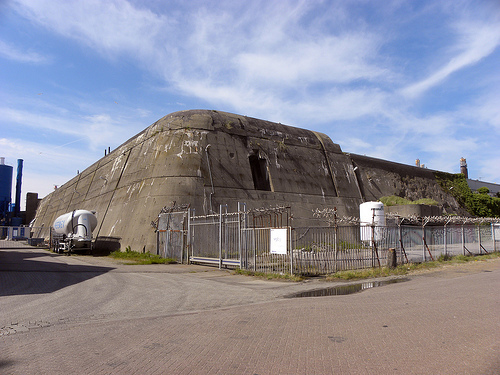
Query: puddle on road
(342, 290)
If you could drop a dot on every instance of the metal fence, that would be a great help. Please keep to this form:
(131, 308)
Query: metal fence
(217, 239)
(322, 250)
(172, 236)
(227, 240)
(258, 253)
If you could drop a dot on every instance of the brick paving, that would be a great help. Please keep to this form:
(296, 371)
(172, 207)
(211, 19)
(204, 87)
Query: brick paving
(444, 322)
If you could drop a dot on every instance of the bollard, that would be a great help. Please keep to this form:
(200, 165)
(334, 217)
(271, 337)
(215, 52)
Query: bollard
(392, 260)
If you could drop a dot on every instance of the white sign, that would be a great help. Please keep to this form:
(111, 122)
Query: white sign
(496, 233)
(278, 241)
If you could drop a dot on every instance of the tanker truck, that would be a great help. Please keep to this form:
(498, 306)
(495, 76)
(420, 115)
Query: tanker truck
(73, 231)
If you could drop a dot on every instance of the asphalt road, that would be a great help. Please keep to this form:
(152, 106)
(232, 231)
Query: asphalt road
(87, 315)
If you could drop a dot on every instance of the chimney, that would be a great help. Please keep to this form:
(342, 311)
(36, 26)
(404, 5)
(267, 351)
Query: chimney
(463, 167)
(17, 207)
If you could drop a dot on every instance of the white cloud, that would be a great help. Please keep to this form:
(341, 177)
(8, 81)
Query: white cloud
(476, 41)
(44, 157)
(101, 130)
(245, 60)
(310, 64)
(43, 166)
(13, 53)
(356, 145)
(109, 26)
(36, 120)
(484, 110)
(98, 130)
(338, 59)
(489, 170)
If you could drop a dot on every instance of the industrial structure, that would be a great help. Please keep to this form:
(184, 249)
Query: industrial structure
(205, 158)
(5, 190)
(10, 212)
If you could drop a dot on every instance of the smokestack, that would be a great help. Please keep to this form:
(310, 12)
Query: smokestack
(17, 207)
(463, 167)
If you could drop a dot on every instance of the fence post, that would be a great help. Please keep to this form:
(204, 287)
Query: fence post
(254, 246)
(239, 236)
(463, 240)
(493, 237)
(423, 242)
(445, 229)
(335, 249)
(400, 233)
(188, 239)
(226, 234)
(157, 244)
(479, 238)
(291, 249)
(220, 236)
(373, 245)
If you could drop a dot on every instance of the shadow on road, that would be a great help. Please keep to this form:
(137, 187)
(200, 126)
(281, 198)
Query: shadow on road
(27, 271)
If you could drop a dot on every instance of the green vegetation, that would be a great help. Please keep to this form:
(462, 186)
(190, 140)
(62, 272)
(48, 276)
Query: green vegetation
(345, 245)
(405, 269)
(393, 200)
(282, 146)
(269, 276)
(371, 273)
(367, 273)
(483, 190)
(477, 204)
(134, 257)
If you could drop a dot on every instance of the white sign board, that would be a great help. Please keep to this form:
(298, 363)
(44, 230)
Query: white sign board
(496, 228)
(278, 241)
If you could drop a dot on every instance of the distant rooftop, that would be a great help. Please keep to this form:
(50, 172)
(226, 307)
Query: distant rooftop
(476, 184)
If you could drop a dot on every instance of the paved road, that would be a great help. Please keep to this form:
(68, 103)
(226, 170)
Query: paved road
(61, 314)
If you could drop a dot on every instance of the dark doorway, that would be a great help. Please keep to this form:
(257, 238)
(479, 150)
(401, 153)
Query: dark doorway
(260, 174)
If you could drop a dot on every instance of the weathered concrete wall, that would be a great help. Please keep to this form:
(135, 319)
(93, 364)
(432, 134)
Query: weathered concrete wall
(378, 178)
(207, 158)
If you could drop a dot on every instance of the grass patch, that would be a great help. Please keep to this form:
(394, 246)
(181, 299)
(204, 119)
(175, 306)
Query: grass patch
(405, 269)
(269, 276)
(134, 257)
(393, 200)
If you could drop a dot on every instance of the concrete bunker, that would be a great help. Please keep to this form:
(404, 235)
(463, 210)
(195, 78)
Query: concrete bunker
(206, 158)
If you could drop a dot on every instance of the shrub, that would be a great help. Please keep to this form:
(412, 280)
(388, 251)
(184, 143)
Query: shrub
(477, 204)
(483, 190)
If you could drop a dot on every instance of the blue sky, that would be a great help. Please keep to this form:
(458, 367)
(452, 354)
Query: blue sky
(397, 80)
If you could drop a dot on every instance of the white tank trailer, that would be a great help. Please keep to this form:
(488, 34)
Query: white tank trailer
(74, 231)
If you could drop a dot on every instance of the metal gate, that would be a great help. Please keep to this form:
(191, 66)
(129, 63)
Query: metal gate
(172, 235)
(217, 239)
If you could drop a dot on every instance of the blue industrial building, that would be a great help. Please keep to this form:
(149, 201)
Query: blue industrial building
(5, 190)
(10, 214)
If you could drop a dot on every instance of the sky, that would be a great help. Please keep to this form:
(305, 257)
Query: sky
(394, 79)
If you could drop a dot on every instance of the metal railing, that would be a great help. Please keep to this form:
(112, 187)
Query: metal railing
(226, 240)
(258, 254)
(322, 250)
(217, 239)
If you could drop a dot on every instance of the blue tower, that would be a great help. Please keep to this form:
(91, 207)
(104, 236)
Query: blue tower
(5, 189)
